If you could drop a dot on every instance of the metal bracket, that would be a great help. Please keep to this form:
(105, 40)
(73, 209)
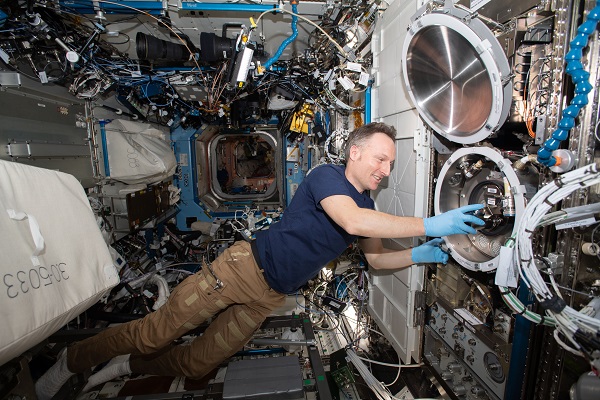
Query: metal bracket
(31, 150)
(10, 79)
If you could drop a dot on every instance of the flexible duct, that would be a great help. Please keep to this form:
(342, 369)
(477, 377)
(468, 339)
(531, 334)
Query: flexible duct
(287, 41)
(163, 290)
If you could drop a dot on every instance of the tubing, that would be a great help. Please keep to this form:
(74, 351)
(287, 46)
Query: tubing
(187, 6)
(368, 104)
(102, 124)
(287, 41)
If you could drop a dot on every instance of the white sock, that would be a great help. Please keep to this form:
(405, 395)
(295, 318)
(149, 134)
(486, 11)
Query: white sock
(116, 367)
(51, 382)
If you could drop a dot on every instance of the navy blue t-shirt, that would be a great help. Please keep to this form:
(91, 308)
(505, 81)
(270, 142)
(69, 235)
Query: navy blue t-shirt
(294, 250)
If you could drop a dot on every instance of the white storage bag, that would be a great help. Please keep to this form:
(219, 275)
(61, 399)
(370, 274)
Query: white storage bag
(138, 153)
(54, 263)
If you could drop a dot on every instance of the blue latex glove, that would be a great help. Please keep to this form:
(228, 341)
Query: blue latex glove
(429, 252)
(453, 222)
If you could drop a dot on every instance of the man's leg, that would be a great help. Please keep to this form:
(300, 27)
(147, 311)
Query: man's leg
(190, 304)
(225, 336)
(228, 333)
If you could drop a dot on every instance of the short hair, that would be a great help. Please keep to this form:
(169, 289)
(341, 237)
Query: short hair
(358, 136)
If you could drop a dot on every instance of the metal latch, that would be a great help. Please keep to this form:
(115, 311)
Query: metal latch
(420, 308)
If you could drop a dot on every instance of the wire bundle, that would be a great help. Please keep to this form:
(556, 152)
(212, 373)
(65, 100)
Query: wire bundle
(580, 329)
(334, 146)
(376, 386)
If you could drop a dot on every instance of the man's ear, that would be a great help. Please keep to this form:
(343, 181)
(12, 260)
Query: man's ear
(354, 152)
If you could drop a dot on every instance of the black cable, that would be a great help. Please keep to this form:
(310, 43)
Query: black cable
(326, 313)
(113, 316)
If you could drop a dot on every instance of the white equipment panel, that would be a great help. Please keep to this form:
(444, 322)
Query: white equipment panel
(392, 295)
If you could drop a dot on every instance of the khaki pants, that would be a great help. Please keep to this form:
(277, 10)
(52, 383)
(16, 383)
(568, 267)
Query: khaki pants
(244, 302)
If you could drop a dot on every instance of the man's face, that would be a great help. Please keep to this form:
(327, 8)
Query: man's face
(371, 162)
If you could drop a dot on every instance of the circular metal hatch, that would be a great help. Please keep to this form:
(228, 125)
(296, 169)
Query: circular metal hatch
(481, 175)
(457, 75)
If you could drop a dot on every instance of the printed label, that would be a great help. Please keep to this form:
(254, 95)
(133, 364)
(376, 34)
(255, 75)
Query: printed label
(22, 282)
(467, 316)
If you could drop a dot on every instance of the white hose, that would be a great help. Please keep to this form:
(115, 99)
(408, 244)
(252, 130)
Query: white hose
(163, 290)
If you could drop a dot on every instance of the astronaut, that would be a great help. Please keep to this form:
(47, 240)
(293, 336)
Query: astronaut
(330, 210)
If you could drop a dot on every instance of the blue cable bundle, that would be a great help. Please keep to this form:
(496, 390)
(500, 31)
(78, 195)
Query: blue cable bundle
(3, 18)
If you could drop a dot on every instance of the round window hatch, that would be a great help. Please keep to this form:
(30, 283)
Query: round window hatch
(457, 75)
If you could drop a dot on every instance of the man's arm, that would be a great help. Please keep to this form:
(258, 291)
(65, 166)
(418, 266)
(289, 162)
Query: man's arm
(381, 258)
(370, 223)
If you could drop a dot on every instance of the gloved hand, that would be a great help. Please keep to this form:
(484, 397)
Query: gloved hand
(453, 222)
(429, 252)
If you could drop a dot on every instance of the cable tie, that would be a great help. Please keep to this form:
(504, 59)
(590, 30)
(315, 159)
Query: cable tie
(523, 311)
(554, 304)
(542, 320)
(558, 182)
(505, 293)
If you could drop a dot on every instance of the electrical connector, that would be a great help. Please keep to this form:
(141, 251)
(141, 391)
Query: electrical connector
(590, 249)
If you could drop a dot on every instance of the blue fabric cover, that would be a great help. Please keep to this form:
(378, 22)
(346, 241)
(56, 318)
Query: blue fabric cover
(294, 250)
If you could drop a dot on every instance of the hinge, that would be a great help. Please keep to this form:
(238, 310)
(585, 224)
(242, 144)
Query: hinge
(420, 308)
